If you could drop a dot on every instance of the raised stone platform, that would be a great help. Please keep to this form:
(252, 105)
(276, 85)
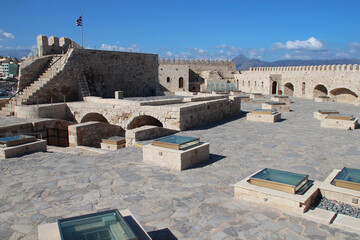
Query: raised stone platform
(344, 195)
(321, 114)
(281, 98)
(256, 95)
(339, 123)
(278, 106)
(18, 150)
(264, 116)
(277, 199)
(113, 143)
(176, 159)
(50, 231)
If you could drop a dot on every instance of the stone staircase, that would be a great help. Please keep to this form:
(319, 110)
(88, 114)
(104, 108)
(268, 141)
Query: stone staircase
(28, 95)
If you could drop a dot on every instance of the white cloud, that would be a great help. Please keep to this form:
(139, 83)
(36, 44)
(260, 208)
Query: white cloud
(169, 54)
(286, 56)
(6, 35)
(342, 54)
(309, 44)
(131, 48)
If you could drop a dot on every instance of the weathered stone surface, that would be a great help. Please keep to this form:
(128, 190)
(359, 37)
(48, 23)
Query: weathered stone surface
(196, 203)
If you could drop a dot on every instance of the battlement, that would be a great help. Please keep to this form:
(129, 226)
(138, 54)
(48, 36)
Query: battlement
(343, 67)
(52, 45)
(194, 61)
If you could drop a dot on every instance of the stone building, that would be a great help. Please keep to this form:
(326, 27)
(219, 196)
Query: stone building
(339, 82)
(189, 75)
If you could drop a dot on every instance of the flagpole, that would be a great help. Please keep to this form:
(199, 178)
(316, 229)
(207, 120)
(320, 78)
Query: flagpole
(82, 35)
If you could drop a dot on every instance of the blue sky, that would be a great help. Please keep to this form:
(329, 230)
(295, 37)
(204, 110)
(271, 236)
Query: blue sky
(264, 29)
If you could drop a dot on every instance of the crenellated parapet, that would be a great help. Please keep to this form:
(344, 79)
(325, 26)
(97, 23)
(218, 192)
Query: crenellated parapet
(344, 67)
(192, 61)
(54, 45)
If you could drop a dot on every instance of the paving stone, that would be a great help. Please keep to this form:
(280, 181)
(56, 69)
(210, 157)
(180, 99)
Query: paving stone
(196, 203)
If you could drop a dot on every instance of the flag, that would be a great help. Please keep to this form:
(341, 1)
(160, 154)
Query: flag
(78, 21)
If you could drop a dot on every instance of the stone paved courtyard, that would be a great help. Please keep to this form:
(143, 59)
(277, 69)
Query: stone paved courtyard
(194, 204)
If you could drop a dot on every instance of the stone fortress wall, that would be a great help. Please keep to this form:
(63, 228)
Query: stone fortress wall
(340, 82)
(192, 72)
(104, 72)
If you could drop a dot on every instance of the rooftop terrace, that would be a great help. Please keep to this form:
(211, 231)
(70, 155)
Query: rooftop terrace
(196, 203)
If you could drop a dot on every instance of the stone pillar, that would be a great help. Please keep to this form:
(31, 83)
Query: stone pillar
(119, 95)
(65, 44)
(42, 45)
(53, 41)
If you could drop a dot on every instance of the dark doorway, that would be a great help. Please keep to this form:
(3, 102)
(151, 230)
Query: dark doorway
(274, 87)
(181, 82)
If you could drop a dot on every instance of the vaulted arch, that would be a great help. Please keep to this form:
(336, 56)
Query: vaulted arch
(143, 120)
(289, 89)
(94, 117)
(343, 95)
(320, 90)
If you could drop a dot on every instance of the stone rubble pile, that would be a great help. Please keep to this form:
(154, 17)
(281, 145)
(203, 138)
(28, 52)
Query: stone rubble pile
(339, 207)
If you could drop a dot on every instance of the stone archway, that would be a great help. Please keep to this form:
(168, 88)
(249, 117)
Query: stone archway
(344, 95)
(289, 89)
(274, 88)
(143, 120)
(94, 117)
(320, 90)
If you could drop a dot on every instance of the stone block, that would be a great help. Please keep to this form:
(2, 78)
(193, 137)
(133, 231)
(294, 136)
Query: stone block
(176, 159)
(278, 107)
(281, 98)
(119, 95)
(322, 114)
(339, 124)
(109, 146)
(258, 117)
(320, 215)
(333, 192)
(293, 203)
(342, 221)
(37, 146)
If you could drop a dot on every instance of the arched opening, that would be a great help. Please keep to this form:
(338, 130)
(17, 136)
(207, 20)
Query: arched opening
(274, 87)
(168, 79)
(181, 82)
(320, 90)
(144, 120)
(94, 117)
(343, 95)
(289, 89)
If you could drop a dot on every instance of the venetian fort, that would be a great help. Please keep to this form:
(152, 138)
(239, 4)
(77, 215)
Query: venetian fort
(76, 101)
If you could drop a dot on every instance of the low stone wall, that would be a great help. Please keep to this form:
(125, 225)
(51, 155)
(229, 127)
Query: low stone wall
(15, 129)
(145, 133)
(54, 130)
(211, 111)
(91, 133)
(57, 110)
